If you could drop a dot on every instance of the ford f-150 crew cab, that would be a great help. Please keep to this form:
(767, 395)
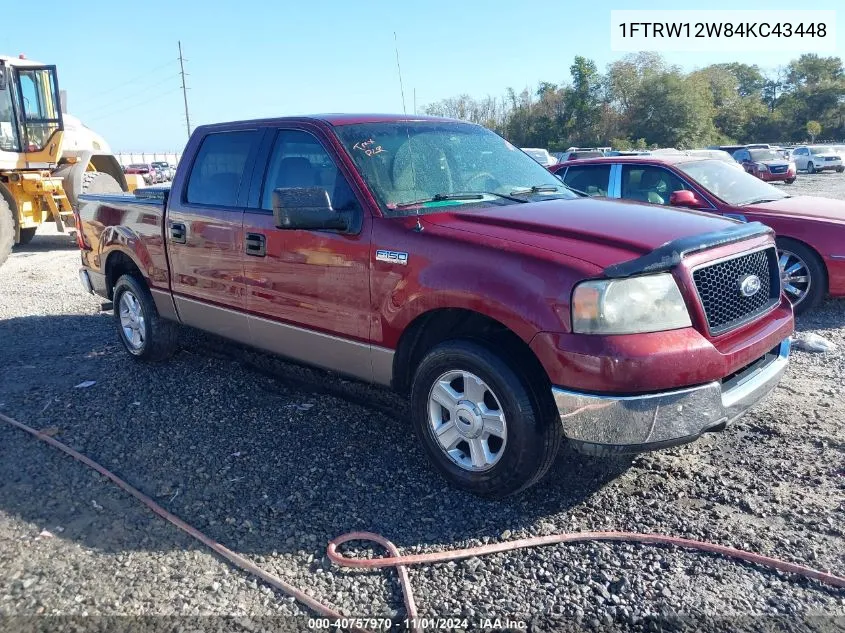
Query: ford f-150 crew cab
(433, 256)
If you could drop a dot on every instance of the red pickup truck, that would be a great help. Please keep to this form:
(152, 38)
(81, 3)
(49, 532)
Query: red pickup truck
(433, 256)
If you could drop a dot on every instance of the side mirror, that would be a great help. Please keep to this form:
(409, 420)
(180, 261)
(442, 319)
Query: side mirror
(684, 198)
(307, 208)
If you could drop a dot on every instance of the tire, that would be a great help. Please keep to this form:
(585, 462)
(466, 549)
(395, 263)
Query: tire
(7, 230)
(157, 337)
(796, 252)
(811, 168)
(839, 170)
(789, 181)
(99, 182)
(517, 458)
(27, 235)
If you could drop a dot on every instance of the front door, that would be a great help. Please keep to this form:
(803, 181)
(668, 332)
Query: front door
(308, 292)
(204, 233)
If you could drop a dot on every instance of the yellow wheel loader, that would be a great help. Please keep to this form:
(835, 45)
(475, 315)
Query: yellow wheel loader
(47, 157)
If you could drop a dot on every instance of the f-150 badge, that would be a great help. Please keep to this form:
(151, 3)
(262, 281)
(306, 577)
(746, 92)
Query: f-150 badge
(392, 257)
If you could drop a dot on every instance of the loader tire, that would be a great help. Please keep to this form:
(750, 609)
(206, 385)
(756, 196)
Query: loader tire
(99, 182)
(7, 230)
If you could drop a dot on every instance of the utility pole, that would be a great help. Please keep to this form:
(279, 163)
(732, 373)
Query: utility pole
(184, 90)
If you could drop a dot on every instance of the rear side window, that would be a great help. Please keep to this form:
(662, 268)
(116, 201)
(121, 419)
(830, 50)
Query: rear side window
(219, 168)
(591, 179)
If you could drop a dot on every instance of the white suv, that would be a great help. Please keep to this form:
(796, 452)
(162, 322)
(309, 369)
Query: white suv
(813, 158)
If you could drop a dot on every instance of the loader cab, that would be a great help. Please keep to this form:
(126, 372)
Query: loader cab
(30, 107)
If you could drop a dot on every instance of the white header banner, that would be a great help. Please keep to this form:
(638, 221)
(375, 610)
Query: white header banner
(812, 31)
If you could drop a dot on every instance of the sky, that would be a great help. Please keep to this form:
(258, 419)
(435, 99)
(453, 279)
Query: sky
(256, 58)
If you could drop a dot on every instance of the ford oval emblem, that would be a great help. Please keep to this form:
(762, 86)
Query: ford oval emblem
(749, 285)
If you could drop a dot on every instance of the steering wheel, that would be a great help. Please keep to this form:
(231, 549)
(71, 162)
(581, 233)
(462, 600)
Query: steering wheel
(484, 174)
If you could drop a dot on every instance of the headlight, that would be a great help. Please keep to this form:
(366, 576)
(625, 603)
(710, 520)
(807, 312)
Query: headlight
(651, 303)
(762, 167)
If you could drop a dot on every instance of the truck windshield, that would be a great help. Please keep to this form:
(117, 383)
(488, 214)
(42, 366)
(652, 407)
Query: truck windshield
(417, 166)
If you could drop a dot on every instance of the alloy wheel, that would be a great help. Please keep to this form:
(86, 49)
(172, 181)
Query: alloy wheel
(467, 420)
(795, 276)
(132, 320)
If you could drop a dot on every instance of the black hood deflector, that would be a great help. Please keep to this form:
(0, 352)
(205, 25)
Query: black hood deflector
(669, 255)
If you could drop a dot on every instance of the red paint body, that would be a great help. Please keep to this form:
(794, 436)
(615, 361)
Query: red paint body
(516, 264)
(817, 222)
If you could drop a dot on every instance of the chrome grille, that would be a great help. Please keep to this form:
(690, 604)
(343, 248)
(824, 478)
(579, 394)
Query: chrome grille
(719, 287)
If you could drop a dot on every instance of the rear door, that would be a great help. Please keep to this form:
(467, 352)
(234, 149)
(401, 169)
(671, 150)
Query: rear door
(204, 233)
(308, 292)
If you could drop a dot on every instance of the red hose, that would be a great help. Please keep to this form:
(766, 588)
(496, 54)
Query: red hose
(401, 563)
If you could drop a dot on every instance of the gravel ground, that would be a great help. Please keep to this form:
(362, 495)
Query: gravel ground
(273, 460)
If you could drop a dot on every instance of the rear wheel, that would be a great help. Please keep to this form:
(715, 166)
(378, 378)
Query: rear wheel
(802, 274)
(479, 422)
(142, 331)
(7, 230)
(99, 182)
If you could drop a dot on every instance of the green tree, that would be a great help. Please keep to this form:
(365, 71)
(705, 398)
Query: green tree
(814, 128)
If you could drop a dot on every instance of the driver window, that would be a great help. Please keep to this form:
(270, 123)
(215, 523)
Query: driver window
(649, 184)
(300, 160)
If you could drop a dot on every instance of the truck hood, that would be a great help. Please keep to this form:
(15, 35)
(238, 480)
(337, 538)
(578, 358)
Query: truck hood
(803, 207)
(599, 231)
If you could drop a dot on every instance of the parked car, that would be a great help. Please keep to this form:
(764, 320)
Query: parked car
(575, 154)
(766, 164)
(434, 256)
(813, 158)
(718, 154)
(542, 156)
(810, 230)
(165, 170)
(144, 169)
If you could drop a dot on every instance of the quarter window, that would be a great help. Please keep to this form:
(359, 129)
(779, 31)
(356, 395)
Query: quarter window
(219, 168)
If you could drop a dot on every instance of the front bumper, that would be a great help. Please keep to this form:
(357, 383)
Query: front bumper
(832, 166)
(632, 424)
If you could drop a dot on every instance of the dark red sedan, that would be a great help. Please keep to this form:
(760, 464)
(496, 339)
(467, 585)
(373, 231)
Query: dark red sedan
(810, 230)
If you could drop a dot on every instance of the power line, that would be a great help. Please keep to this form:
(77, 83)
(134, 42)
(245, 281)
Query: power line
(135, 105)
(134, 80)
(107, 104)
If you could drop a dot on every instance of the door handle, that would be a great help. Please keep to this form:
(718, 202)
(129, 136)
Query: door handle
(178, 233)
(255, 244)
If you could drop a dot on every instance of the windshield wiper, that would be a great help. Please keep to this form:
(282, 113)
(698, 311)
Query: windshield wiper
(535, 189)
(441, 197)
(759, 201)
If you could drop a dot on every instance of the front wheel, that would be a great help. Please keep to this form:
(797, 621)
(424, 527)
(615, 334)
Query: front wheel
(839, 170)
(27, 235)
(811, 168)
(789, 181)
(802, 275)
(142, 331)
(479, 422)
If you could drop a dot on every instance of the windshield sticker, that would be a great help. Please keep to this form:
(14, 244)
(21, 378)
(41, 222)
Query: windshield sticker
(369, 147)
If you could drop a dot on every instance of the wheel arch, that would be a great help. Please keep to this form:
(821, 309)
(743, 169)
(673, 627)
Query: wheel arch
(117, 264)
(815, 252)
(437, 325)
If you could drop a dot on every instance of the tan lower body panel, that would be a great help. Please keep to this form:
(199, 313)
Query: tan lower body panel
(360, 360)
